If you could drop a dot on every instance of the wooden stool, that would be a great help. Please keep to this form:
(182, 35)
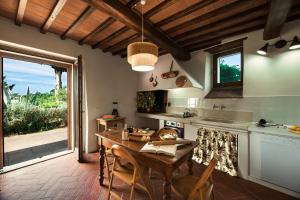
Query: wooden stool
(193, 188)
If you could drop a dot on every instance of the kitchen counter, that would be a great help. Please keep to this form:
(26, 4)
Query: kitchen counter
(199, 121)
(283, 132)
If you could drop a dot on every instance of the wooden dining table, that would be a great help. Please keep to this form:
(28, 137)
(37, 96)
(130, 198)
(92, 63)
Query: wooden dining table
(163, 164)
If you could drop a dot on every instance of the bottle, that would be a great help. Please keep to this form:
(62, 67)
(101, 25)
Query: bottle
(125, 133)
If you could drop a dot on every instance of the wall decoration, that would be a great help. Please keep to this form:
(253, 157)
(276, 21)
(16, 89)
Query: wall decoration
(170, 74)
(155, 83)
(180, 81)
(151, 78)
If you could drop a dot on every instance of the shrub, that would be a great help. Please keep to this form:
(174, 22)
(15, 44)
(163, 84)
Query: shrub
(20, 119)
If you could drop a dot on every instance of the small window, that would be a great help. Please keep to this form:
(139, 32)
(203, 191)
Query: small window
(228, 68)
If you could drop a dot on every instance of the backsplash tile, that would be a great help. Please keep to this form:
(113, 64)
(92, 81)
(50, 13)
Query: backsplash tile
(279, 109)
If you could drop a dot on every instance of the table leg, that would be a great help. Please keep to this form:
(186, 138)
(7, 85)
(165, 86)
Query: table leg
(190, 164)
(167, 186)
(101, 159)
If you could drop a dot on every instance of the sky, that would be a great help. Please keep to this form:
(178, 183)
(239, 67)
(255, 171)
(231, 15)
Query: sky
(39, 77)
(233, 59)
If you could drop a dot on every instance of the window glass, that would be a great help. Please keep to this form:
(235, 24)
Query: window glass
(229, 68)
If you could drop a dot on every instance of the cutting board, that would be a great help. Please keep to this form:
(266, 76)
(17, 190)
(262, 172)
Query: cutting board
(180, 81)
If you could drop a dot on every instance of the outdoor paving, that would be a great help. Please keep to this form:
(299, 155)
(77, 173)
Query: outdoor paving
(22, 148)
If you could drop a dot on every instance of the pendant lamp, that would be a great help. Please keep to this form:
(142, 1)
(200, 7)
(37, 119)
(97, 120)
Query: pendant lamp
(142, 55)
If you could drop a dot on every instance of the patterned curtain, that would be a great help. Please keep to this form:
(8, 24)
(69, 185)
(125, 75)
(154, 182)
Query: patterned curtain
(221, 143)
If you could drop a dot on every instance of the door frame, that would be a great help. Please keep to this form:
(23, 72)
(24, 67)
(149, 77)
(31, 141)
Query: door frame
(40, 60)
(1, 116)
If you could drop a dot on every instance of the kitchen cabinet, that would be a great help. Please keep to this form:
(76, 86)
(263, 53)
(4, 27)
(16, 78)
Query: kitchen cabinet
(275, 158)
(190, 132)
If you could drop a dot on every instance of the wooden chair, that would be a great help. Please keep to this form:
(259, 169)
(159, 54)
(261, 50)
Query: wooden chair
(192, 188)
(130, 173)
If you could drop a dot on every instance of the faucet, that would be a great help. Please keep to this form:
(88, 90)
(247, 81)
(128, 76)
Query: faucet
(187, 113)
(222, 107)
(215, 106)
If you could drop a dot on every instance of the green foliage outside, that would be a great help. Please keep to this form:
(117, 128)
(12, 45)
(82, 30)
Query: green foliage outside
(19, 119)
(229, 73)
(33, 112)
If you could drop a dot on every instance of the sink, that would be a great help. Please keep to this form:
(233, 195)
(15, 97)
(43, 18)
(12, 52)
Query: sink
(218, 120)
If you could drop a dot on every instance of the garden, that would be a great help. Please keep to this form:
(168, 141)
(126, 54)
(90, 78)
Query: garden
(34, 112)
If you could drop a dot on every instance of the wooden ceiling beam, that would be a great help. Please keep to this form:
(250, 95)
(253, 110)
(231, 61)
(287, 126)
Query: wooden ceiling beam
(97, 30)
(278, 14)
(122, 43)
(55, 11)
(147, 15)
(204, 45)
(115, 34)
(121, 51)
(132, 3)
(20, 12)
(110, 37)
(83, 16)
(238, 5)
(221, 34)
(233, 31)
(185, 12)
(132, 20)
(163, 5)
(238, 20)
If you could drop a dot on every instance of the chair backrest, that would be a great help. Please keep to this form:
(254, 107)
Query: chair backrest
(121, 152)
(204, 186)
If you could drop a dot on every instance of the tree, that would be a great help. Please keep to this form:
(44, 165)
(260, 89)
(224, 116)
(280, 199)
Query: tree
(58, 84)
(229, 73)
(7, 91)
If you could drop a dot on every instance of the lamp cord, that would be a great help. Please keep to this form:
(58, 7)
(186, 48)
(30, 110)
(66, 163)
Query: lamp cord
(142, 22)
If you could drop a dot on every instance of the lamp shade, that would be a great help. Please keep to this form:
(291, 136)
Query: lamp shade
(263, 50)
(142, 56)
(295, 43)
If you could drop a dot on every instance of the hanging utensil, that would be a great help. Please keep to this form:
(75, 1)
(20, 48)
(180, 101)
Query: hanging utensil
(180, 81)
(171, 73)
(155, 83)
(151, 78)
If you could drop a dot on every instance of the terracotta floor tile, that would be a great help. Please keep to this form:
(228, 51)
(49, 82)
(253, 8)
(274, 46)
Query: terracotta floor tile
(64, 178)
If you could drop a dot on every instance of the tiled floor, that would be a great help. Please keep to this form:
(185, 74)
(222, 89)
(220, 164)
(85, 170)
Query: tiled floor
(21, 148)
(17, 142)
(64, 178)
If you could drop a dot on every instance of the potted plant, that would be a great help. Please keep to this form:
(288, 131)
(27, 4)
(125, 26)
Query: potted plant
(145, 101)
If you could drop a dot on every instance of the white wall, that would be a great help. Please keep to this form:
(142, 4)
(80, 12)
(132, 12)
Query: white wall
(107, 78)
(271, 83)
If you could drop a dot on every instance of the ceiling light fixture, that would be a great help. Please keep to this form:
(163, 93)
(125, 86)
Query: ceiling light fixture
(142, 55)
(263, 50)
(295, 43)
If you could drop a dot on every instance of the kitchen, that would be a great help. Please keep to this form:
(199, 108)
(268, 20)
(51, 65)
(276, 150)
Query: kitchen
(200, 97)
(270, 92)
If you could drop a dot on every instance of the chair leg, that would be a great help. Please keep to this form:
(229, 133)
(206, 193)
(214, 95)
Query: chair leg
(107, 167)
(110, 186)
(111, 181)
(212, 195)
(150, 173)
(131, 192)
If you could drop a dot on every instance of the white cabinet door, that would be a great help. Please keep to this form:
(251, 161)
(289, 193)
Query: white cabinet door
(276, 160)
(190, 132)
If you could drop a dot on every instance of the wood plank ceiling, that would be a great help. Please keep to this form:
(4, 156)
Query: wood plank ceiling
(189, 25)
